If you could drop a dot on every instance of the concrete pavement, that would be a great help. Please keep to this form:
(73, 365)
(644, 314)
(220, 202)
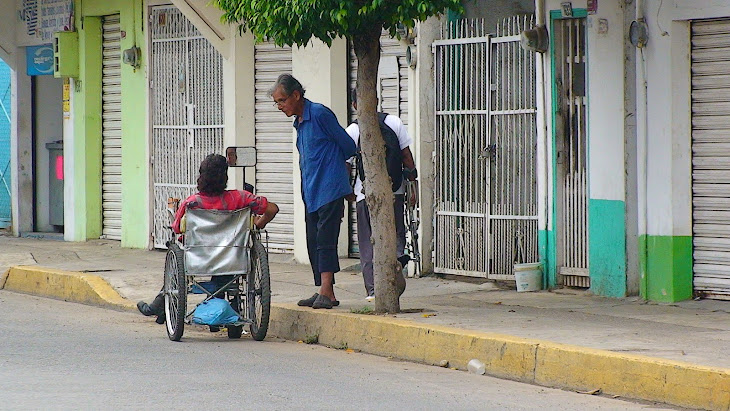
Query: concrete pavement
(672, 353)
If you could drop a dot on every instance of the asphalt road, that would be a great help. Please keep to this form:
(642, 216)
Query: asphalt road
(58, 355)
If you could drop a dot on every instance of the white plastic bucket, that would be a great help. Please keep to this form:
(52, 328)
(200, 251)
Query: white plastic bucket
(528, 277)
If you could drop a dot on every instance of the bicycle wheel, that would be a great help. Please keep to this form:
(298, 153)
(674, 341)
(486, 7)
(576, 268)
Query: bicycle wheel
(175, 293)
(259, 291)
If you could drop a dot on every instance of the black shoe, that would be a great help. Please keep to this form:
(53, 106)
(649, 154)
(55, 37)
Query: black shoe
(156, 307)
(322, 302)
(214, 328)
(309, 301)
(145, 309)
(404, 259)
(161, 318)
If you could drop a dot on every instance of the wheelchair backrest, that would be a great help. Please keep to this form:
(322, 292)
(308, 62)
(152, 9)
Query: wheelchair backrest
(216, 241)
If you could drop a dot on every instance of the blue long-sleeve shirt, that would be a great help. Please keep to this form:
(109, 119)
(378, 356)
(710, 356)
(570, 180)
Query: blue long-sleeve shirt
(323, 148)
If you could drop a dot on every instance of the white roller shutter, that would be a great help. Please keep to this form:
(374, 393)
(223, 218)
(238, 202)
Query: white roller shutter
(711, 158)
(393, 92)
(274, 146)
(111, 130)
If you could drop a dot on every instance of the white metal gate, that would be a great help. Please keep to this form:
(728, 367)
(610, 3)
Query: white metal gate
(571, 141)
(186, 109)
(711, 158)
(111, 129)
(274, 146)
(393, 99)
(485, 150)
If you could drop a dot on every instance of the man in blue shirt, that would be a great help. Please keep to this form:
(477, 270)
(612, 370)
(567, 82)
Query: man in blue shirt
(323, 146)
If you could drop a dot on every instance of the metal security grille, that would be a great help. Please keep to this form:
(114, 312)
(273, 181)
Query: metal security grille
(4, 145)
(111, 129)
(711, 158)
(274, 145)
(186, 109)
(513, 149)
(393, 99)
(485, 186)
(571, 141)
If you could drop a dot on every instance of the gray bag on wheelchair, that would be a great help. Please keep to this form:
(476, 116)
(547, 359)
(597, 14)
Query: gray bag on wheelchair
(215, 241)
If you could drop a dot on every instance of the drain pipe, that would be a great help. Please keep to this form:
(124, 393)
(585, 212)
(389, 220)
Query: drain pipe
(542, 134)
(639, 36)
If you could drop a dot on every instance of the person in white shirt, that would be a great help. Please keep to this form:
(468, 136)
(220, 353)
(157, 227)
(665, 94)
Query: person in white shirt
(363, 215)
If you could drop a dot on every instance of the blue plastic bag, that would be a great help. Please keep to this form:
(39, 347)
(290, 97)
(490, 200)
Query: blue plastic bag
(215, 311)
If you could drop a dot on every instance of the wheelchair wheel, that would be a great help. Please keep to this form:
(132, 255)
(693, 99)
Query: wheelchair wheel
(259, 291)
(175, 293)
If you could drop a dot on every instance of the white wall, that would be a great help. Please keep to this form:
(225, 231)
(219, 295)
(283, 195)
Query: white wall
(7, 32)
(21, 147)
(238, 101)
(668, 127)
(606, 102)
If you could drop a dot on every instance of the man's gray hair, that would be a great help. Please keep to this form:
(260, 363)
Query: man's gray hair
(288, 84)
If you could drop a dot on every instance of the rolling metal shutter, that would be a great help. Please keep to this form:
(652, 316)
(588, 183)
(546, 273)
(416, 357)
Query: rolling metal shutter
(393, 91)
(711, 158)
(111, 130)
(274, 146)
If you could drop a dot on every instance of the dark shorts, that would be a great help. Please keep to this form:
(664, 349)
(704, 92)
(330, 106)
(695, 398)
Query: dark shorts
(323, 231)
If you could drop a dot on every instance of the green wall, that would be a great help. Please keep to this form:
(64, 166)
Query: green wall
(666, 275)
(87, 125)
(87, 133)
(607, 247)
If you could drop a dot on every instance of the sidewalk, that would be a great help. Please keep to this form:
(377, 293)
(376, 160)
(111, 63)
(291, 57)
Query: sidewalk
(674, 353)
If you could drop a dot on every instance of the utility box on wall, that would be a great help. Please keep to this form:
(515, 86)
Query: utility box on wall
(65, 54)
(55, 185)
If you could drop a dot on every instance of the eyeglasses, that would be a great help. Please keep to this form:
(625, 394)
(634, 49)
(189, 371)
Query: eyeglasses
(280, 102)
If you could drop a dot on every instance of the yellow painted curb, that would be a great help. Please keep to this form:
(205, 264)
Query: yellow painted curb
(532, 361)
(65, 285)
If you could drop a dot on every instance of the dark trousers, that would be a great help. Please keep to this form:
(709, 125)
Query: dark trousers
(323, 231)
(364, 233)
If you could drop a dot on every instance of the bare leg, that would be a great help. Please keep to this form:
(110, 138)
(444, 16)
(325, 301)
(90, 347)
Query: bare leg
(327, 289)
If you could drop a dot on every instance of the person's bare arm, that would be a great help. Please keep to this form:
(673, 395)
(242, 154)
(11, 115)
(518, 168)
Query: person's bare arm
(268, 215)
(350, 197)
(408, 162)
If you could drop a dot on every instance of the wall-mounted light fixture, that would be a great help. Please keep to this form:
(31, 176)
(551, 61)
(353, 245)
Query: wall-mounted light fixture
(536, 39)
(131, 56)
(639, 33)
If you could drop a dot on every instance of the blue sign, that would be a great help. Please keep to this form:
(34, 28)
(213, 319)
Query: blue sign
(39, 60)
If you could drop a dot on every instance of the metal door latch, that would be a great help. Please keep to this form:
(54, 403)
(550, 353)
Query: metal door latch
(488, 151)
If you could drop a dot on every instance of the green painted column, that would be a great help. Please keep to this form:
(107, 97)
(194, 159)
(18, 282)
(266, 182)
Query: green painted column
(87, 133)
(135, 134)
(546, 242)
(666, 268)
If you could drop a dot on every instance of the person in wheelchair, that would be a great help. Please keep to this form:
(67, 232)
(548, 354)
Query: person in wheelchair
(212, 195)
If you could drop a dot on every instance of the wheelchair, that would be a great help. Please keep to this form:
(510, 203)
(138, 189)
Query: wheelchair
(222, 256)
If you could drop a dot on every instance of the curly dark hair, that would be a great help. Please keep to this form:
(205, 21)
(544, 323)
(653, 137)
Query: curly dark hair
(213, 176)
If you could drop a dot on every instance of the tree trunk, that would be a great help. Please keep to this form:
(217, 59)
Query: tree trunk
(377, 184)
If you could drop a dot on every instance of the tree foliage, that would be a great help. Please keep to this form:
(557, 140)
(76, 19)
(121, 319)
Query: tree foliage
(290, 22)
